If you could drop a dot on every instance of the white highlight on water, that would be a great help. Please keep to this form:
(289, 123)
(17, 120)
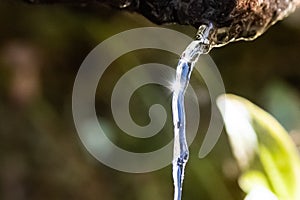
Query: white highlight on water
(184, 69)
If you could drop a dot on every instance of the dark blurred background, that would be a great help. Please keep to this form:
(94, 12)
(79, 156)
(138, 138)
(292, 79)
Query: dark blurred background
(41, 156)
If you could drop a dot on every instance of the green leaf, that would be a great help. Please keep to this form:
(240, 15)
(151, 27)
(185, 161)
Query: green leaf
(267, 156)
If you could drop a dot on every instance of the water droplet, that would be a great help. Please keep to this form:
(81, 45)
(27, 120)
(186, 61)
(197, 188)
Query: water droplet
(124, 3)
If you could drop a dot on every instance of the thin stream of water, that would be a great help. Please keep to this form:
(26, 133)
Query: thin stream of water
(185, 66)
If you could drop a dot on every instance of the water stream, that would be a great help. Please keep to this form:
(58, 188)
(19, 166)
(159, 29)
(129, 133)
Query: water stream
(185, 66)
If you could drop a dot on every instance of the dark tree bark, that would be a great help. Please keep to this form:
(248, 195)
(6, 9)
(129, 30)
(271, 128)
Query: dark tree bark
(235, 19)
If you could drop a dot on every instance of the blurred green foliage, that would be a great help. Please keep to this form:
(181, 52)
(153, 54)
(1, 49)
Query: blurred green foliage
(41, 156)
(269, 160)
